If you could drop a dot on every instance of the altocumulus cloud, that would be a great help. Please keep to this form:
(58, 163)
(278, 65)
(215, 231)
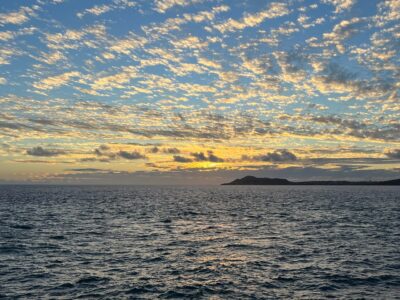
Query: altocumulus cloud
(321, 58)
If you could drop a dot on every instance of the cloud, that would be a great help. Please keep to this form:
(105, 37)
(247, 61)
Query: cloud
(214, 158)
(16, 18)
(189, 42)
(52, 82)
(394, 154)
(6, 35)
(344, 30)
(200, 78)
(157, 149)
(40, 151)
(341, 5)
(181, 159)
(199, 156)
(162, 6)
(389, 11)
(105, 151)
(206, 15)
(94, 36)
(210, 156)
(304, 20)
(126, 45)
(89, 119)
(154, 150)
(96, 10)
(115, 81)
(274, 10)
(219, 176)
(171, 150)
(158, 30)
(51, 57)
(276, 156)
(335, 78)
(209, 63)
(88, 170)
(346, 123)
(131, 155)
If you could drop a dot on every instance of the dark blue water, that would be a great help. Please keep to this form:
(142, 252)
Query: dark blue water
(200, 242)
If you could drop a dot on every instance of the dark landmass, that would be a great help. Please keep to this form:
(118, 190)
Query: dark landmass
(251, 180)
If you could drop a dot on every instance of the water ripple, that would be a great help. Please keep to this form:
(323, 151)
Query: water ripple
(199, 242)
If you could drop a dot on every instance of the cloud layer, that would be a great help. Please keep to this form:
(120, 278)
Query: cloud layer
(179, 85)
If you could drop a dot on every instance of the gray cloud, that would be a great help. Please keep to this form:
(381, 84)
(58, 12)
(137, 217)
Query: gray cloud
(276, 156)
(181, 159)
(102, 150)
(216, 177)
(353, 124)
(40, 151)
(155, 149)
(104, 154)
(394, 154)
(131, 155)
(93, 159)
(338, 74)
(41, 161)
(171, 150)
(214, 158)
(5, 146)
(200, 156)
(233, 125)
(89, 170)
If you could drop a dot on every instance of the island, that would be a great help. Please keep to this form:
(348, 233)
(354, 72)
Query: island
(251, 180)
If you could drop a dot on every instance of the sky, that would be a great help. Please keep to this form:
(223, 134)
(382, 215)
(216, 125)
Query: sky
(198, 91)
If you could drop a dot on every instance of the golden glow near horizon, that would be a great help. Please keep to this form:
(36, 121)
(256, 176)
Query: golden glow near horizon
(171, 91)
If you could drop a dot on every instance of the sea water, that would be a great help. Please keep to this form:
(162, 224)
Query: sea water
(228, 242)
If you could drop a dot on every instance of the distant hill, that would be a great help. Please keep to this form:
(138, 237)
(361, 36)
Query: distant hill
(251, 180)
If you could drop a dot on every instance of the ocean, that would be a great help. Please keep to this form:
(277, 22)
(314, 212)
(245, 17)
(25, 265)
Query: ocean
(214, 242)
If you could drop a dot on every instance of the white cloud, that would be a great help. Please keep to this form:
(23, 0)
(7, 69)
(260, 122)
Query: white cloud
(16, 18)
(274, 10)
(6, 35)
(162, 6)
(96, 10)
(91, 36)
(125, 46)
(51, 57)
(189, 42)
(342, 31)
(52, 82)
(341, 5)
(117, 80)
(209, 63)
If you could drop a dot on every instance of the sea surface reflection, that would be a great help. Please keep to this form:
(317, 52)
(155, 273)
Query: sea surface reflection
(229, 242)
